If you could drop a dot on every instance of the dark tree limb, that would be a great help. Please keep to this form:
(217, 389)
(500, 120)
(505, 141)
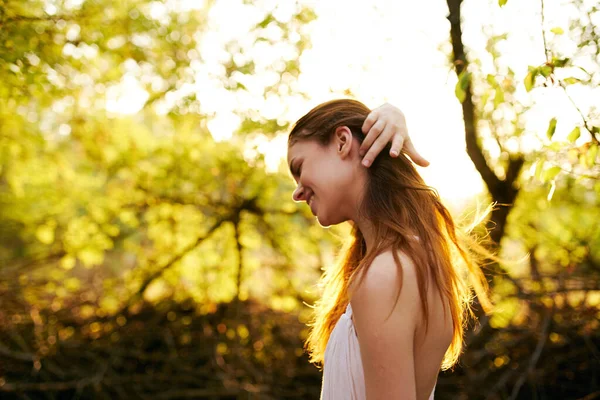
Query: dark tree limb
(247, 205)
(236, 228)
(158, 273)
(503, 191)
(460, 64)
(536, 354)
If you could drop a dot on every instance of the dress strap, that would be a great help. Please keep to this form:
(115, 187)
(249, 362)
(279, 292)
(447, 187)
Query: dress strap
(348, 310)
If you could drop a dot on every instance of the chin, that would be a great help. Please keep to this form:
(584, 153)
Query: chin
(327, 222)
(323, 221)
(323, 224)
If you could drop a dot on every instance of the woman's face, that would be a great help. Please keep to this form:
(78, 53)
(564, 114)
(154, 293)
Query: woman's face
(328, 177)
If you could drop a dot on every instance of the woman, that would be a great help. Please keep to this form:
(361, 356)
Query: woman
(393, 309)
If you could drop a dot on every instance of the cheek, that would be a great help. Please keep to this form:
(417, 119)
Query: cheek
(334, 185)
(337, 178)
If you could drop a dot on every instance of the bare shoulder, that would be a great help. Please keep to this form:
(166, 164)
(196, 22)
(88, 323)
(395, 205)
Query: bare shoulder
(386, 328)
(381, 282)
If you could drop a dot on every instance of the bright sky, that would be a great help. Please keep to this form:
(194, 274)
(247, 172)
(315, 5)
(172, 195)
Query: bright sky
(385, 51)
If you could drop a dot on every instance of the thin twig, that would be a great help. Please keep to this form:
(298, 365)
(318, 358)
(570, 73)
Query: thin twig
(536, 354)
(546, 50)
(583, 118)
(561, 84)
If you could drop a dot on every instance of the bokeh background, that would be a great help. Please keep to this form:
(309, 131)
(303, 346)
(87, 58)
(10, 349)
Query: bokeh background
(149, 244)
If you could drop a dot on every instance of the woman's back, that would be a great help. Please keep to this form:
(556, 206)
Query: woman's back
(431, 347)
(343, 376)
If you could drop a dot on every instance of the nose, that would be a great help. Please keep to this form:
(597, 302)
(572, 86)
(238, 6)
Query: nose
(299, 193)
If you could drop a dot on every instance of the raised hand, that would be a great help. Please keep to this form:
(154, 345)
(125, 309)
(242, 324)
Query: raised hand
(384, 124)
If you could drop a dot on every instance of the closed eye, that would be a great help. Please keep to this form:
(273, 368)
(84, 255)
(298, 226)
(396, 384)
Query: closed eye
(296, 170)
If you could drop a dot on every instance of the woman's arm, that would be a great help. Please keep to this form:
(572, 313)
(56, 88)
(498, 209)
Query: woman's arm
(384, 124)
(386, 346)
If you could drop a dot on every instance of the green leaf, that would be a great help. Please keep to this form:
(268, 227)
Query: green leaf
(459, 93)
(498, 97)
(571, 80)
(560, 62)
(551, 128)
(591, 155)
(265, 22)
(557, 30)
(546, 70)
(551, 173)
(484, 98)
(530, 78)
(584, 70)
(556, 146)
(574, 135)
(462, 85)
(539, 167)
(502, 3)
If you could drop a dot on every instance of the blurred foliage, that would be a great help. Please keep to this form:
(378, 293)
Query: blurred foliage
(142, 258)
(503, 108)
(542, 341)
(167, 349)
(111, 224)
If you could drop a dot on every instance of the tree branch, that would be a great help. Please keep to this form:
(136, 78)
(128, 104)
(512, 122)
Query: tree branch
(536, 354)
(468, 108)
(159, 272)
(503, 192)
(248, 205)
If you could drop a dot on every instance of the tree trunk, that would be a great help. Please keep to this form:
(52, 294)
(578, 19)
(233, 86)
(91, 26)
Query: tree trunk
(503, 191)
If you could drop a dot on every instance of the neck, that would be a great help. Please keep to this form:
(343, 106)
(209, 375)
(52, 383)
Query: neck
(368, 231)
(365, 226)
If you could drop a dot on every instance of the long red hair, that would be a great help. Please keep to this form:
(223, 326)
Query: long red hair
(400, 205)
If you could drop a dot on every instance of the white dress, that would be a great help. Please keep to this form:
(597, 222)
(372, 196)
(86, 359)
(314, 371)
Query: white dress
(343, 376)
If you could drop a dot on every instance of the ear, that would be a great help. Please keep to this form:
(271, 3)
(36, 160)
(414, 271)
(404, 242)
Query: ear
(342, 141)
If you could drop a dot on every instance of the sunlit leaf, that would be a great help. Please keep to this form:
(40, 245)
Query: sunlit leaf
(574, 134)
(498, 96)
(551, 128)
(462, 85)
(560, 62)
(485, 97)
(557, 30)
(546, 70)
(591, 155)
(551, 173)
(539, 167)
(571, 80)
(530, 78)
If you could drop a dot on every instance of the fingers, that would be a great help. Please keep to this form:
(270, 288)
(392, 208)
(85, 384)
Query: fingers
(378, 145)
(397, 143)
(383, 125)
(374, 132)
(410, 150)
(369, 121)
